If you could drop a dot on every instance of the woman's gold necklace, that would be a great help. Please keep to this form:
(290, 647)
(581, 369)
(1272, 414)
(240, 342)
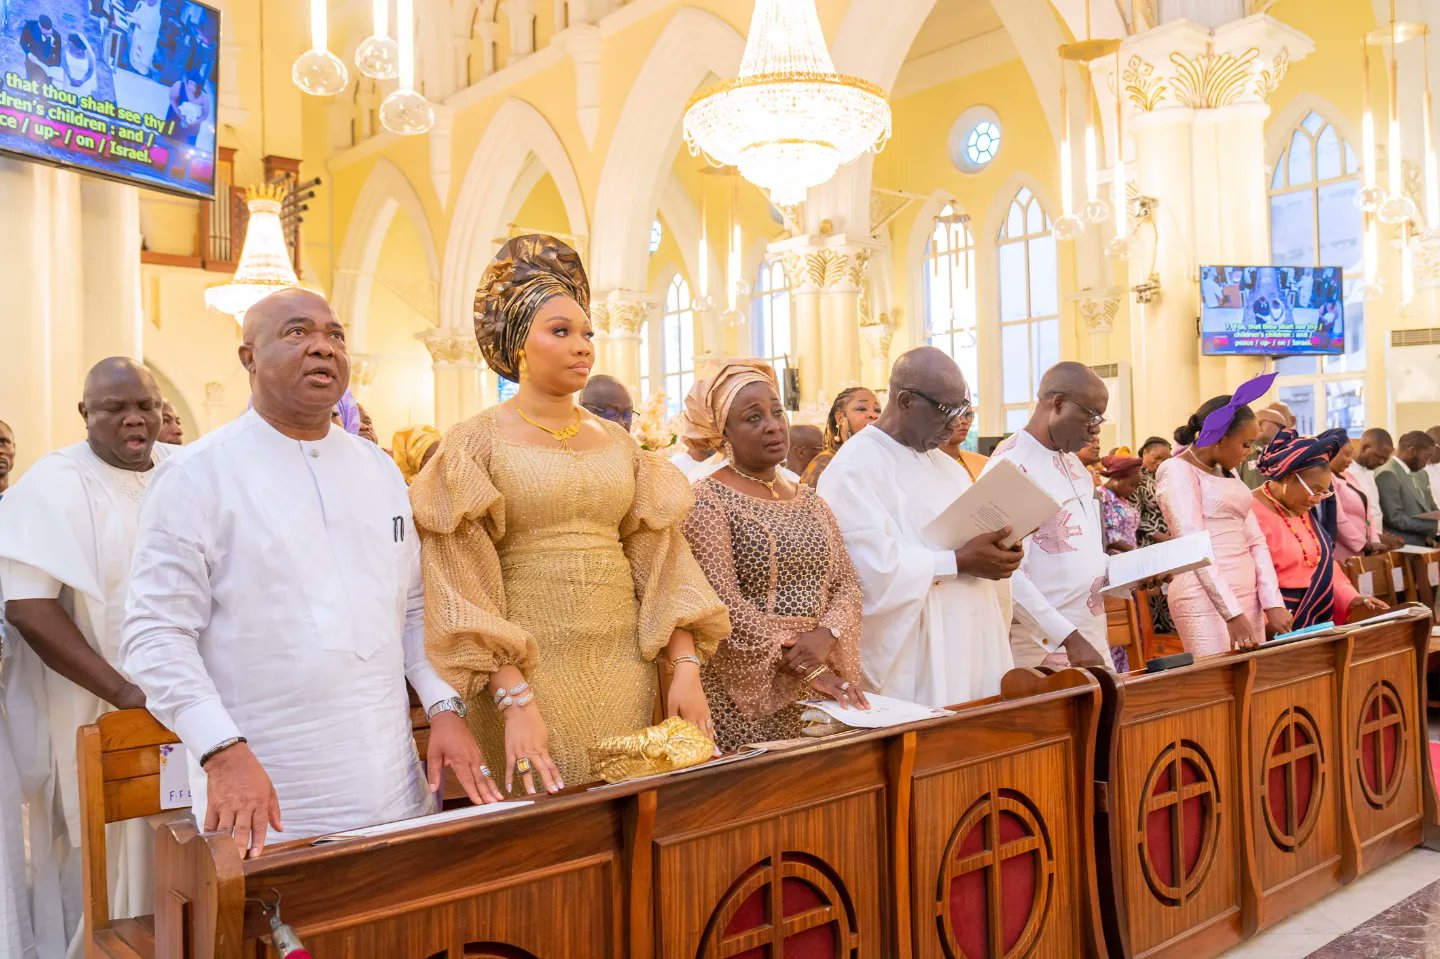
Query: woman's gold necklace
(563, 437)
(768, 484)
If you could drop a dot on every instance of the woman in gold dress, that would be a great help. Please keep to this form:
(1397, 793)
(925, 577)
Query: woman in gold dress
(773, 552)
(973, 462)
(555, 569)
(854, 408)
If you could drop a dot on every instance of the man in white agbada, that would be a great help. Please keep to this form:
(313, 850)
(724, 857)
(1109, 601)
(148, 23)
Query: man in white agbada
(66, 533)
(277, 611)
(1059, 611)
(935, 620)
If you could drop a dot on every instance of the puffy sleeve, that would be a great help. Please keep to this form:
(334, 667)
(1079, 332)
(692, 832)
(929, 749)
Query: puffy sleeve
(1178, 491)
(460, 516)
(670, 590)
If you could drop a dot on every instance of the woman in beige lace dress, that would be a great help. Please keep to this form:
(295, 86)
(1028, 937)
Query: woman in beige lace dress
(555, 570)
(771, 549)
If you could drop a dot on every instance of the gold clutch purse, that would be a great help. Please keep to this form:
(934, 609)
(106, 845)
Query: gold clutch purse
(674, 744)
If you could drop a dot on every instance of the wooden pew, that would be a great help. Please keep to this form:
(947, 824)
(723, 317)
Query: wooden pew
(1389, 576)
(1246, 787)
(967, 832)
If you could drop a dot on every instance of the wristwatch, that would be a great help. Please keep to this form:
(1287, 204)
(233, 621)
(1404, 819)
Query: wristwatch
(454, 705)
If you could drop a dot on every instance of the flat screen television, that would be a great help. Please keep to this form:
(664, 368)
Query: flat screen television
(1272, 310)
(120, 88)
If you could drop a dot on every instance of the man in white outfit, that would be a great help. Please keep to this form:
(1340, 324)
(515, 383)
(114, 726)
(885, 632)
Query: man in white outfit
(277, 610)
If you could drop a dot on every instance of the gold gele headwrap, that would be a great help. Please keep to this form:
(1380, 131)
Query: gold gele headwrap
(409, 446)
(528, 272)
(708, 403)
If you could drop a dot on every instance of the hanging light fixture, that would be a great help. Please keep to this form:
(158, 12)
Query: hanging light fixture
(788, 121)
(1397, 208)
(265, 264)
(1071, 223)
(406, 111)
(317, 71)
(1120, 244)
(378, 56)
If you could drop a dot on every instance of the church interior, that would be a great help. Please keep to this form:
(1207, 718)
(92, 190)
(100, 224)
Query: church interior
(1113, 183)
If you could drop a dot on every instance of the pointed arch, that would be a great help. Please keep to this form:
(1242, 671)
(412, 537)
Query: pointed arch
(386, 192)
(513, 136)
(693, 46)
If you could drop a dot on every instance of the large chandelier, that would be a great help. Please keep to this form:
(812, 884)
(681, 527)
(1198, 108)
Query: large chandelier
(788, 121)
(264, 265)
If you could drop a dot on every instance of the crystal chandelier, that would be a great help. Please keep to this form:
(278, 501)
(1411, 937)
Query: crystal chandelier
(788, 121)
(265, 264)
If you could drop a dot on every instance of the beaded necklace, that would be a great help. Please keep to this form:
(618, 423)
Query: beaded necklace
(1284, 513)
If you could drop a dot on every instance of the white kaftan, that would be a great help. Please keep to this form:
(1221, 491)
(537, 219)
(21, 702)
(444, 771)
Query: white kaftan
(16, 935)
(1057, 588)
(66, 532)
(277, 596)
(928, 635)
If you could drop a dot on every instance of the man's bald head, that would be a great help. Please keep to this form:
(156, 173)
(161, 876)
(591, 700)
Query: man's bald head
(805, 444)
(1434, 433)
(928, 394)
(1284, 410)
(294, 349)
(1070, 408)
(121, 410)
(607, 398)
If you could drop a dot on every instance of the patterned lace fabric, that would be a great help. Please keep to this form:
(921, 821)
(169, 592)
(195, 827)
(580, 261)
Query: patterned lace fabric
(781, 568)
(568, 565)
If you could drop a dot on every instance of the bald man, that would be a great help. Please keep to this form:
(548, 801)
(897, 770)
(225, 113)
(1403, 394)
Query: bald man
(1059, 612)
(805, 444)
(936, 620)
(67, 531)
(607, 398)
(277, 610)
(1272, 420)
(172, 431)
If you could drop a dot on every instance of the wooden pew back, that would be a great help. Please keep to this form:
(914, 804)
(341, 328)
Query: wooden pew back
(1387, 575)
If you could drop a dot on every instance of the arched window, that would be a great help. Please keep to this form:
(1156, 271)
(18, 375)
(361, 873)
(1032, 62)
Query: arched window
(1314, 221)
(950, 304)
(1029, 305)
(677, 345)
(770, 317)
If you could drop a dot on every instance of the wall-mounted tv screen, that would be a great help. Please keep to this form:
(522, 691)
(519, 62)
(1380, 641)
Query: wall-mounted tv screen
(1272, 310)
(121, 88)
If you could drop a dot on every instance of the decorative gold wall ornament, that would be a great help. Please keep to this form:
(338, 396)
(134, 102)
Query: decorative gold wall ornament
(619, 315)
(1098, 309)
(1211, 80)
(1142, 87)
(451, 346)
(1268, 80)
(827, 268)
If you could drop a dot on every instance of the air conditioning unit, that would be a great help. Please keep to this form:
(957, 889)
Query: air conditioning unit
(1413, 370)
(1119, 428)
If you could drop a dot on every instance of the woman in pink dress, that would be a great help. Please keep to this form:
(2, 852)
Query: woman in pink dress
(1227, 605)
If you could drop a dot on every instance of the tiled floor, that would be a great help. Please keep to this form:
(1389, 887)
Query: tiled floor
(1377, 917)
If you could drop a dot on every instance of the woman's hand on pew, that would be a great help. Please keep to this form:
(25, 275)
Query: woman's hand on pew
(1279, 619)
(453, 745)
(242, 800)
(527, 738)
(686, 698)
(1362, 604)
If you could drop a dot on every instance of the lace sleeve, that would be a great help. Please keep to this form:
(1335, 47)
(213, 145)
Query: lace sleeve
(460, 514)
(843, 599)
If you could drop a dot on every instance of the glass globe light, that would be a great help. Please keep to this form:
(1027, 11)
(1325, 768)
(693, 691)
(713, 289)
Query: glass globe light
(407, 113)
(1370, 198)
(1397, 209)
(1120, 247)
(319, 73)
(732, 317)
(1069, 227)
(378, 58)
(742, 289)
(1095, 211)
(703, 304)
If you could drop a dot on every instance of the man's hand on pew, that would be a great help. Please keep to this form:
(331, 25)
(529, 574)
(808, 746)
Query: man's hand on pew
(452, 744)
(1080, 652)
(242, 800)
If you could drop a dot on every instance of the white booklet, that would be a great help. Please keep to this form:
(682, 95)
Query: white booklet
(1179, 555)
(883, 712)
(1004, 496)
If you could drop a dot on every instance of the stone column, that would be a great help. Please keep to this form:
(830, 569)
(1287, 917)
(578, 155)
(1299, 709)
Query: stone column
(619, 316)
(457, 364)
(109, 265)
(1196, 105)
(826, 276)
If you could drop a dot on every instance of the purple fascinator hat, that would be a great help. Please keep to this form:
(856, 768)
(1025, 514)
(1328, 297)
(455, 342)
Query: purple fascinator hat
(1217, 424)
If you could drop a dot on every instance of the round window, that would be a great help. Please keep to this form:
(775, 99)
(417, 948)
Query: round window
(975, 139)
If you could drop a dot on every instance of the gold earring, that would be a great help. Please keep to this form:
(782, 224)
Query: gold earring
(524, 366)
(729, 451)
(843, 424)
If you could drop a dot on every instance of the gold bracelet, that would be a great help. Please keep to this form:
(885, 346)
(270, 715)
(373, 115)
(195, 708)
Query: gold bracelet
(687, 658)
(814, 673)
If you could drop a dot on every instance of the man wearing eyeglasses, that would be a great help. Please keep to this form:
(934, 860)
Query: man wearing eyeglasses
(607, 398)
(935, 622)
(1059, 612)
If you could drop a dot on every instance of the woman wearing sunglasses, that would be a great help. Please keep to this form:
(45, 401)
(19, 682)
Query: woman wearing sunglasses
(1297, 480)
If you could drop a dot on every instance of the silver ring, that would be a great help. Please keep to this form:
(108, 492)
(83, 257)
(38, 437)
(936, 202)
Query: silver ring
(485, 770)
(844, 687)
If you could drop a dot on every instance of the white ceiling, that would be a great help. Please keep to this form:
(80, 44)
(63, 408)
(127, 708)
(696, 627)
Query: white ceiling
(952, 22)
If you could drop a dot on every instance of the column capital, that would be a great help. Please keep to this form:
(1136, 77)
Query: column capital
(622, 312)
(831, 263)
(362, 371)
(451, 347)
(1182, 66)
(1097, 309)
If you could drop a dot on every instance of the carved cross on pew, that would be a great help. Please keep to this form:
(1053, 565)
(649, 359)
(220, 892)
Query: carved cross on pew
(1294, 750)
(1380, 713)
(801, 906)
(1167, 791)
